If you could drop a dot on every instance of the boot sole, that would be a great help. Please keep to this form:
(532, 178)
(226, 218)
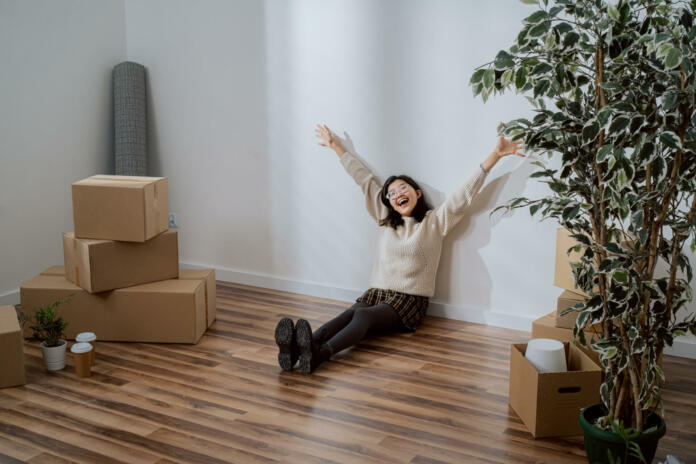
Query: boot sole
(304, 342)
(283, 338)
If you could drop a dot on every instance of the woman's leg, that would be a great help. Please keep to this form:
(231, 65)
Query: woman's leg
(378, 317)
(332, 327)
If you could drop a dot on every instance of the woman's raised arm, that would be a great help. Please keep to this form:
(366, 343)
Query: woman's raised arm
(453, 209)
(360, 173)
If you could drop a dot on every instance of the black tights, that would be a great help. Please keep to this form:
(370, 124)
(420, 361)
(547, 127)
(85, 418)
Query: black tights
(351, 326)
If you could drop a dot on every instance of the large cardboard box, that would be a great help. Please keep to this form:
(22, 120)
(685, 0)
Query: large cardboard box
(549, 403)
(11, 351)
(101, 265)
(168, 311)
(563, 272)
(127, 208)
(211, 291)
(567, 300)
(545, 327)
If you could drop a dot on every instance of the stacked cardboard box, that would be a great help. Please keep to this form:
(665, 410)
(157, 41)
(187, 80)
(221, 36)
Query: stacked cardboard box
(11, 353)
(555, 325)
(549, 403)
(121, 268)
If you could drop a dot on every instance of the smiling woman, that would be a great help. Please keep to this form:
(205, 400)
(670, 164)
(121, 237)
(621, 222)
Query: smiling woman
(408, 255)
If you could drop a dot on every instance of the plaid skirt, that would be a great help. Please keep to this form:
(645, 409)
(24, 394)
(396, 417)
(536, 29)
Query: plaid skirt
(410, 308)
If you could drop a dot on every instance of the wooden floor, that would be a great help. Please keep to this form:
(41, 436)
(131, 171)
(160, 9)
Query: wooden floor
(439, 395)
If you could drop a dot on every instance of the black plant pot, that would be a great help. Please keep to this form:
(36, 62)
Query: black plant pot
(599, 443)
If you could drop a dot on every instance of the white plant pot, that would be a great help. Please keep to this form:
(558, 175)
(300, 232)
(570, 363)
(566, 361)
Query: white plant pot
(54, 356)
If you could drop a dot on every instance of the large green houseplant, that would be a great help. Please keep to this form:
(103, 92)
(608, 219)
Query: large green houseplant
(613, 90)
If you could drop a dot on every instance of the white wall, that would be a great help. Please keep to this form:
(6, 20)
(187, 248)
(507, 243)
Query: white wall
(55, 121)
(237, 88)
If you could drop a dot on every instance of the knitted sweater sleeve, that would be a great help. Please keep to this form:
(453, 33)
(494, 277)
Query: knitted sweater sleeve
(448, 214)
(368, 184)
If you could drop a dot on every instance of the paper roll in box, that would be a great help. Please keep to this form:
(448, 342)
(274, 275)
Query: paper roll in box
(168, 311)
(11, 349)
(545, 327)
(549, 403)
(127, 208)
(101, 265)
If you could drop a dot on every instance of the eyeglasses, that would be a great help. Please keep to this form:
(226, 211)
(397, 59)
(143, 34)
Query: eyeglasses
(403, 188)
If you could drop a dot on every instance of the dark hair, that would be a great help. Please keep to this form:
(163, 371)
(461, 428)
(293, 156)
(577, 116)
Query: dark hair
(394, 218)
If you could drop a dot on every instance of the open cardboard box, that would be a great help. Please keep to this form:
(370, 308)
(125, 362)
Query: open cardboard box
(127, 208)
(11, 350)
(549, 403)
(101, 265)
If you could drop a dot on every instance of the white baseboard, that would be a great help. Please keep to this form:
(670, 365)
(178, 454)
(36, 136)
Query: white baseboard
(683, 347)
(10, 298)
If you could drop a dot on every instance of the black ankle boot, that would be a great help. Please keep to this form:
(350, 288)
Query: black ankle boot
(285, 337)
(312, 351)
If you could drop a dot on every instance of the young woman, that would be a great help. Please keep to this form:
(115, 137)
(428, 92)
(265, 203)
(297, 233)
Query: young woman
(403, 277)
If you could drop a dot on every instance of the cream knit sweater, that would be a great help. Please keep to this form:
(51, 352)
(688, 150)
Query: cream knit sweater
(408, 257)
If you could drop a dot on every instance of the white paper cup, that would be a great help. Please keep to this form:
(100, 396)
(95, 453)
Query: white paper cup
(88, 337)
(546, 355)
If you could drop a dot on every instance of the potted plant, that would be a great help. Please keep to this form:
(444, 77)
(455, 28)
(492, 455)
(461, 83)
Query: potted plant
(49, 329)
(613, 89)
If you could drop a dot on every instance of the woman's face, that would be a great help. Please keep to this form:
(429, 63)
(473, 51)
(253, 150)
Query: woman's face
(403, 197)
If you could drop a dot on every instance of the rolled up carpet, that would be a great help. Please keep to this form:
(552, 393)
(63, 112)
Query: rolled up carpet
(130, 119)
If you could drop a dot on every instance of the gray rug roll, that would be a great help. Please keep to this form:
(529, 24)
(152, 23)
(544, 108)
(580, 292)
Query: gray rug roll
(130, 119)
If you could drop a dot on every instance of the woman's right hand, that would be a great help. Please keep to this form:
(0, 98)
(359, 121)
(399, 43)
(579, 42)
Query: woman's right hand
(326, 137)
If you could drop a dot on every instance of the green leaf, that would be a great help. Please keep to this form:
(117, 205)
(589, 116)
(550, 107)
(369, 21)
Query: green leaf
(541, 68)
(604, 151)
(620, 277)
(539, 30)
(590, 131)
(534, 208)
(570, 212)
(619, 124)
(503, 60)
(530, 2)
(521, 78)
(541, 87)
(477, 76)
(488, 78)
(507, 77)
(670, 139)
(613, 12)
(673, 58)
(536, 17)
(570, 39)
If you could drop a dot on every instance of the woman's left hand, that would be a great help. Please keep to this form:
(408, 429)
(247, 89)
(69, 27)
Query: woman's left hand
(507, 147)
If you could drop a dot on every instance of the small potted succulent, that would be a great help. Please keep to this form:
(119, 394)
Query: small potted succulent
(49, 329)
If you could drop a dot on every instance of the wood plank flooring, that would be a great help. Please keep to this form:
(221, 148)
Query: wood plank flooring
(438, 395)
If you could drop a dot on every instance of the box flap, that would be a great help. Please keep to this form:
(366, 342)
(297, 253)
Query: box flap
(54, 270)
(8, 320)
(52, 282)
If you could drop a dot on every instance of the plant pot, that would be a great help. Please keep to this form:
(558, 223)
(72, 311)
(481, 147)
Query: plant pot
(598, 442)
(54, 356)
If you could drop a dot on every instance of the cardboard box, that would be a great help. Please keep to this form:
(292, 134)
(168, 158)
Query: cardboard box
(11, 349)
(101, 265)
(168, 311)
(127, 208)
(563, 272)
(545, 327)
(549, 403)
(211, 291)
(567, 300)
